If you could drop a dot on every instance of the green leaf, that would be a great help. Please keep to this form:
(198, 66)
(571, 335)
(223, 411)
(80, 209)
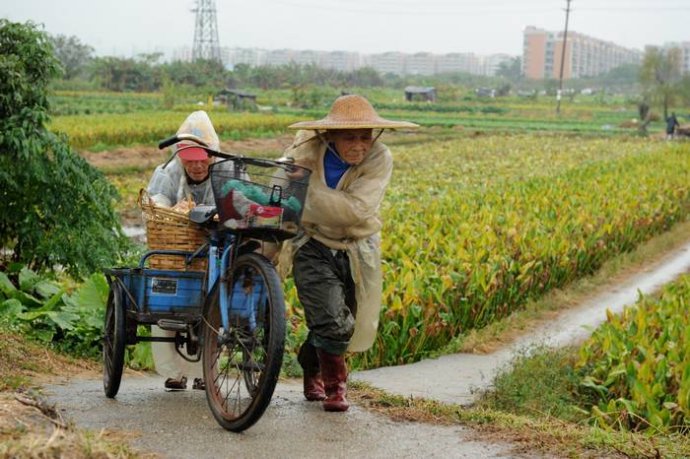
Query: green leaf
(93, 295)
(6, 285)
(53, 301)
(27, 300)
(30, 316)
(11, 307)
(46, 289)
(63, 319)
(28, 279)
(43, 335)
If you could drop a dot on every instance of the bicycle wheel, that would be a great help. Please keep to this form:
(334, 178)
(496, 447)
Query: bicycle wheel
(113, 342)
(241, 364)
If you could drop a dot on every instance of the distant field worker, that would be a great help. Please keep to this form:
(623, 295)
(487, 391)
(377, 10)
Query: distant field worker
(336, 261)
(671, 125)
(181, 183)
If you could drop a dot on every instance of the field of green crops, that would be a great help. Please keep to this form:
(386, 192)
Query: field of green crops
(636, 365)
(99, 120)
(474, 228)
(149, 127)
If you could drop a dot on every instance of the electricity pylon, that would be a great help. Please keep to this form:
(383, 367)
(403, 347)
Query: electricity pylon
(206, 44)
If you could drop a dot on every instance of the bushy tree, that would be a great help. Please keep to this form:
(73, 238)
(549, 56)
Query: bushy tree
(660, 76)
(511, 69)
(56, 209)
(72, 54)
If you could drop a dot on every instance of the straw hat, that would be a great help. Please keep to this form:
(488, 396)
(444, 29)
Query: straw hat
(352, 112)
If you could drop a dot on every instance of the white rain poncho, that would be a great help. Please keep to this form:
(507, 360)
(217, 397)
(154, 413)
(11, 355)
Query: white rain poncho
(347, 218)
(169, 185)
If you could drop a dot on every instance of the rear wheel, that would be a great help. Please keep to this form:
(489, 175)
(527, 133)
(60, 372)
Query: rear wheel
(113, 341)
(242, 363)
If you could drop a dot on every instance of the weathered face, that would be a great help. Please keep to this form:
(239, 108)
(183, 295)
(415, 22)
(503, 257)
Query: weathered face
(197, 170)
(353, 145)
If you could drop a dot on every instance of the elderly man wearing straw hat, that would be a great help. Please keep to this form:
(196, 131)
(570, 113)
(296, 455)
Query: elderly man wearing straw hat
(336, 261)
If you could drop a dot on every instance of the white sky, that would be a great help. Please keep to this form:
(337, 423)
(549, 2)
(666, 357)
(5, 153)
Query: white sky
(128, 27)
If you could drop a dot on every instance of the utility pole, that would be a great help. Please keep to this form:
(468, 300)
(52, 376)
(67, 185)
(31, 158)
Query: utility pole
(565, 41)
(206, 43)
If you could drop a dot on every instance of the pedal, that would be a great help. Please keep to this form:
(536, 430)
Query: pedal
(172, 325)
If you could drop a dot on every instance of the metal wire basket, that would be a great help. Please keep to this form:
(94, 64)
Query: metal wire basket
(263, 198)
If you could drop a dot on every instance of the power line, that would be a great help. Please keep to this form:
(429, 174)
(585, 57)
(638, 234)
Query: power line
(483, 8)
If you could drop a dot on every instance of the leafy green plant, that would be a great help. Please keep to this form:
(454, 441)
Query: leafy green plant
(44, 310)
(57, 209)
(67, 319)
(636, 366)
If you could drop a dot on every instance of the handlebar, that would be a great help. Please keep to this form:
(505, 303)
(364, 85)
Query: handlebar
(281, 162)
(179, 138)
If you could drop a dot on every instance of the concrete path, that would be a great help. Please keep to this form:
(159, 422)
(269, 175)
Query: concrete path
(459, 378)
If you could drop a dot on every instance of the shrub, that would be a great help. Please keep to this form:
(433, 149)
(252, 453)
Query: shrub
(57, 209)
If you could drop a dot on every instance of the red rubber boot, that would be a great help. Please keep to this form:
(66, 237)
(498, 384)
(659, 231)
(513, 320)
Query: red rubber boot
(334, 373)
(313, 383)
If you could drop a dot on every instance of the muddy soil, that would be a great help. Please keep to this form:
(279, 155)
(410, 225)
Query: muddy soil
(148, 157)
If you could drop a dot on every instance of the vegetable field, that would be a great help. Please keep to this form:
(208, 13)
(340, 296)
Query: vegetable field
(636, 365)
(151, 127)
(475, 228)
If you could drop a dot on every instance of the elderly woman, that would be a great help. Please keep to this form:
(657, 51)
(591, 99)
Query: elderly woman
(181, 184)
(336, 261)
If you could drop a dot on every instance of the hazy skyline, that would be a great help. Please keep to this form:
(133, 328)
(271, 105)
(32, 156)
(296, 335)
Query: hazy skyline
(128, 27)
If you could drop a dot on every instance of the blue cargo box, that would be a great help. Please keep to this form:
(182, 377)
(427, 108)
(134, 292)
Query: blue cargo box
(157, 290)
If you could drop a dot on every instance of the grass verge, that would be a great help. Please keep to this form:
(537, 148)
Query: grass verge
(32, 428)
(529, 435)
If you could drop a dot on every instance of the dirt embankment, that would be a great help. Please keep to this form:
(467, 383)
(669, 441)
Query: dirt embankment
(148, 157)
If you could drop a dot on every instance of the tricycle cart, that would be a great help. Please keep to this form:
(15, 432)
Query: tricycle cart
(231, 315)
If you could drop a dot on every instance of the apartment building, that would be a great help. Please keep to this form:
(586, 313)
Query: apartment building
(394, 62)
(458, 62)
(390, 62)
(344, 61)
(420, 64)
(584, 55)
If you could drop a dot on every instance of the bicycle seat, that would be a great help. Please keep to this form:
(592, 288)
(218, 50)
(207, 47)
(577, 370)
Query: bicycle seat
(202, 214)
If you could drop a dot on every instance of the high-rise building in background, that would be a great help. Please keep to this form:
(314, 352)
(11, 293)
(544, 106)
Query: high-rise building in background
(584, 55)
(389, 62)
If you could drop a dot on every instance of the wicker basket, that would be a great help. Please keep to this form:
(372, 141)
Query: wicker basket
(167, 229)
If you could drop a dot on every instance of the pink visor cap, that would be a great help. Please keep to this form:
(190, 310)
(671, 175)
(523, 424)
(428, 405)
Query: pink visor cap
(190, 152)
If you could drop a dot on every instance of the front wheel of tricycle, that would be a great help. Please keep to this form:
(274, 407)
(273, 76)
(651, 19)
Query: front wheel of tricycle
(113, 342)
(242, 362)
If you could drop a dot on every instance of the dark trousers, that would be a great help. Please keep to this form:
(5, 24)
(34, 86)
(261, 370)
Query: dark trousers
(327, 292)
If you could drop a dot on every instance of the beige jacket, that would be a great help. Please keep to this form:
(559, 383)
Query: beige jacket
(347, 218)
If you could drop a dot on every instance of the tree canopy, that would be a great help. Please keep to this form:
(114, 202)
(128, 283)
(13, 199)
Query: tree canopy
(57, 209)
(661, 76)
(73, 55)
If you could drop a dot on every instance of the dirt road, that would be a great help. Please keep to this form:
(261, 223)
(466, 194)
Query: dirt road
(180, 425)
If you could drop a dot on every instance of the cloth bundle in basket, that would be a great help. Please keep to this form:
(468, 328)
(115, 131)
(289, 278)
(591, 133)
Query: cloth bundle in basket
(263, 198)
(167, 229)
